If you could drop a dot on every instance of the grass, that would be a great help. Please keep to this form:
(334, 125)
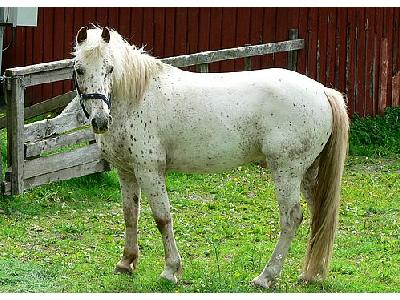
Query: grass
(67, 237)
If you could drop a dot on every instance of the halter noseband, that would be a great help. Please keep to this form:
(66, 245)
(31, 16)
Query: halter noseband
(89, 96)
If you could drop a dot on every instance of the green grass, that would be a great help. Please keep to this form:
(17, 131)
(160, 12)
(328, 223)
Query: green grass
(67, 237)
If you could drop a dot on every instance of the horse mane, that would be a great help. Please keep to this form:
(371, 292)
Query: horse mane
(133, 67)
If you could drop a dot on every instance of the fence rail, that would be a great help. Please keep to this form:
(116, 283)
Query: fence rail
(29, 146)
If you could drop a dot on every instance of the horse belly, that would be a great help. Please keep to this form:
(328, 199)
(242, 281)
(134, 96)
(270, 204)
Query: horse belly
(212, 155)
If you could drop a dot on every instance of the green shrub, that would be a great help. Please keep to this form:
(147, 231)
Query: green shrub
(376, 136)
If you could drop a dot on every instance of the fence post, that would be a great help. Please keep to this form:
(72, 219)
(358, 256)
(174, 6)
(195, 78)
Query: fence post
(292, 55)
(202, 68)
(247, 63)
(15, 133)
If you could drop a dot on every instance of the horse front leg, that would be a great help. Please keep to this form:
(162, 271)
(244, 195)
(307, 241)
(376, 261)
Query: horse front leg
(288, 193)
(131, 205)
(153, 184)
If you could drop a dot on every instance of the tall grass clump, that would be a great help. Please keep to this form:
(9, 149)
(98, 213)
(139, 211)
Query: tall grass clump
(376, 136)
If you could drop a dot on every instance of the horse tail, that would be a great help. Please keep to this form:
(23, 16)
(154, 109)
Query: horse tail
(326, 193)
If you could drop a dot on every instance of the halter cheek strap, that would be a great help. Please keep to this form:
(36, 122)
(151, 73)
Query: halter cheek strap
(84, 97)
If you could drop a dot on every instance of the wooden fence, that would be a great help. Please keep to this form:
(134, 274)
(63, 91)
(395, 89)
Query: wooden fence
(40, 152)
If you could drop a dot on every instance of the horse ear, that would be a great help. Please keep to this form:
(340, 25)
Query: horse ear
(82, 35)
(106, 35)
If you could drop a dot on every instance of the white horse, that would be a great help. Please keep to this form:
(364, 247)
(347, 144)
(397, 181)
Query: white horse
(165, 119)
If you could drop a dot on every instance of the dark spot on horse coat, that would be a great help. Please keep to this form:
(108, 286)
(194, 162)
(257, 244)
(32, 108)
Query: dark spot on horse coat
(135, 199)
(162, 223)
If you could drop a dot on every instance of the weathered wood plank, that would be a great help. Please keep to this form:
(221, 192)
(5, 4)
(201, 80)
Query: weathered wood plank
(233, 53)
(15, 134)
(72, 117)
(64, 174)
(388, 16)
(384, 73)
(396, 90)
(331, 48)
(37, 148)
(52, 104)
(43, 165)
(378, 40)
(341, 63)
(47, 76)
(369, 60)
(292, 55)
(8, 125)
(61, 69)
(312, 43)
(351, 60)
(6, 188)
(42, 67)
(361, 50)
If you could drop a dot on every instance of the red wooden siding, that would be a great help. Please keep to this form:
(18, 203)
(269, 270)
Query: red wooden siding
(355, 50)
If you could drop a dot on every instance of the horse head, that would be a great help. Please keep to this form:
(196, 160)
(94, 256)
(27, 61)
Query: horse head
(92, 76)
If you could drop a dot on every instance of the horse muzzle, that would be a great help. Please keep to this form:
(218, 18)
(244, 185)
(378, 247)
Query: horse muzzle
(101, 125)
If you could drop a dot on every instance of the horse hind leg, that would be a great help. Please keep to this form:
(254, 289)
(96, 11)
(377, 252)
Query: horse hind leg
(308, 185)
(287, 186)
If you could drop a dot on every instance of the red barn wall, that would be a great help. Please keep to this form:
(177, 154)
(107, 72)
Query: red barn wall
(355, 50)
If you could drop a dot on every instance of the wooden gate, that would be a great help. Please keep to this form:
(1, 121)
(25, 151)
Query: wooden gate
(64, 147)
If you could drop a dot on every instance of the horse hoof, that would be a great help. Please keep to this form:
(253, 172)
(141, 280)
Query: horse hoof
(169, 277)
(121, 269)
(263, 283)
(302, 280)
(307, 279)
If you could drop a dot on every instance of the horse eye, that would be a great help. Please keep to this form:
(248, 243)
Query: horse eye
(79, 71)
(111, 69)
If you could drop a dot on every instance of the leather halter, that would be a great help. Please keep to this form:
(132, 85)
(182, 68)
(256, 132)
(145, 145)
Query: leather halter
(84, 97)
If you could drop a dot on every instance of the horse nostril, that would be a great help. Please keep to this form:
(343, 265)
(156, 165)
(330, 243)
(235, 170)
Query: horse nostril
(94, 123)
(110, 119)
